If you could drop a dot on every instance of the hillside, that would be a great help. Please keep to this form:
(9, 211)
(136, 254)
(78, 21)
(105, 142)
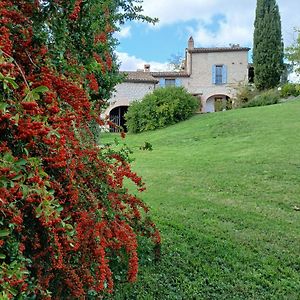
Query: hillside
(224, 190)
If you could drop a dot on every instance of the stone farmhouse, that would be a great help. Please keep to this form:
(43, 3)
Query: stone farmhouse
(210, 74)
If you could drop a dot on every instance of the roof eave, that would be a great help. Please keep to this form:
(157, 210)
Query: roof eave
(140, 81)
(212, 50)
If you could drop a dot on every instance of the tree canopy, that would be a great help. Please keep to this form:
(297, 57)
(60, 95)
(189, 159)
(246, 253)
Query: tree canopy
(267, 45)
(293, 52)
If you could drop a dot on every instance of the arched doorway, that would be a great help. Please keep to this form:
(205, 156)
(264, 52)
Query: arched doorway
(116, 115)
(217, 103)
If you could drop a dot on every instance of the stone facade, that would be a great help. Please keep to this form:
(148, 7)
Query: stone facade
(211, 74)
(127, 92)
(135, 86)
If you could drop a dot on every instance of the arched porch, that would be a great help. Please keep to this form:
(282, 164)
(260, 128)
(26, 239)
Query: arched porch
(117, 116)
(218, 102)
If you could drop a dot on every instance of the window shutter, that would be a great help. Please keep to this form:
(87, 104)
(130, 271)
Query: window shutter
(177, 82)
(224, 74)
(162, 82)
(213, 74)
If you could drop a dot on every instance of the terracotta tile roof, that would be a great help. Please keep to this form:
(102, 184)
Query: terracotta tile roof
(170, 74)
(218, 49)
(138, 76)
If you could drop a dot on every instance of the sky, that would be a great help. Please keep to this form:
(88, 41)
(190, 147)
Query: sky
(210, 22)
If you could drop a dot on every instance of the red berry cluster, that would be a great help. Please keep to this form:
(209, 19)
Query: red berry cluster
(65, 212)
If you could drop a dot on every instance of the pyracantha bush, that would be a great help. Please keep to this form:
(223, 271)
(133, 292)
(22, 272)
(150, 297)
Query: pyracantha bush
(66, 217)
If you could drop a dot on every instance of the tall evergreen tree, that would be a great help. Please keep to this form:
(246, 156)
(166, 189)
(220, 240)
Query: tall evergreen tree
(267, 45)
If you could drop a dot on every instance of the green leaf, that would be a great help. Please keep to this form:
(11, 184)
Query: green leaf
(2, 256)
(42, 173)
(40, 89)
(25, 190)
(13, 291)
(17, 177)
(53, 132)
(29, 97)
(8, 157)
(21, 162)
(69, 227)
(38, 211)
(25, 151)
(60, 209)
(4, 232)
(3, 106)
(11, 81)
(3, 182)
(16, 118)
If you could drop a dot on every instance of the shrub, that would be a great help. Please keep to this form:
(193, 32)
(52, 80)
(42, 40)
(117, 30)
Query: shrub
(147, 146)
(165, 106)
(244, 94)
(69, 227)
(265, 98)
(290, 89)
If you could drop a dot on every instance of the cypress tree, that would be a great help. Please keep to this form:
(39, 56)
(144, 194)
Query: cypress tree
(267, 45)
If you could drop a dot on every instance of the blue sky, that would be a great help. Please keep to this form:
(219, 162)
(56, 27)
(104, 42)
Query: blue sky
(211, 23)
(170, 38)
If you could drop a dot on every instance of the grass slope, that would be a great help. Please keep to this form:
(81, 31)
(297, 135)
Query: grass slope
(222, 188)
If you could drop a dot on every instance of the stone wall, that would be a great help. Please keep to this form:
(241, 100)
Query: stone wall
(127, 92)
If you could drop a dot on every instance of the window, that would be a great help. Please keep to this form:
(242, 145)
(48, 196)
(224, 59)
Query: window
(170, 82)
(219, 74)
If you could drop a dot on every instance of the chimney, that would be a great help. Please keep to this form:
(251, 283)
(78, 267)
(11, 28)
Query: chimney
(146, 68)
(191, 45)
(234, 45)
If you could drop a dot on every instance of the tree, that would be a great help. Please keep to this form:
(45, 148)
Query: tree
(69, 227)
(293, 53)
(80, 40)
(267, 45)
(175, 62)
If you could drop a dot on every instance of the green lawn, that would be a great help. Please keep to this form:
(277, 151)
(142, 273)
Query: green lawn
(222, 189)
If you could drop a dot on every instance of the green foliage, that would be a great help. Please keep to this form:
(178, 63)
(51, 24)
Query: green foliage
(80, 40)
(290, 89)
(146, 146)
(69, 225)
(267, 45)
(244, 93)
(165, 106)
(265, 98)
(80, 37)
(293, 52)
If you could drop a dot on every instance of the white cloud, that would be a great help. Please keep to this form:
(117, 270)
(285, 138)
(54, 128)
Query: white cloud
(235, 26)
(125, 32)
(239, 16)
(223, 37)
(132, 63)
